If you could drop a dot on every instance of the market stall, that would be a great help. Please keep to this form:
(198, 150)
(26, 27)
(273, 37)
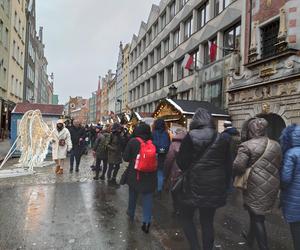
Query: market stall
(180, 112)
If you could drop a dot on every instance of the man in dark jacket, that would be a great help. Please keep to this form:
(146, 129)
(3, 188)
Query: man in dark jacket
(146, 184)
(77, 137)
(203, 158)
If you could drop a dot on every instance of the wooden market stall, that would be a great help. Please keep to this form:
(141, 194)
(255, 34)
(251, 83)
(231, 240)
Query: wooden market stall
(180, 112)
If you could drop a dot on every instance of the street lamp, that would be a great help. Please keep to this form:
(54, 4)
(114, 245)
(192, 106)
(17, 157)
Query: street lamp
(172, 92)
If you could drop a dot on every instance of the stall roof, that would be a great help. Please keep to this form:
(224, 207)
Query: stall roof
(189, 107)
(46, 109)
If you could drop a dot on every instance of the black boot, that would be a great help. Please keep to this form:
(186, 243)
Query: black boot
(96, 175)
(102, 177)
(146, 228)
(249, 238)
(261, 235)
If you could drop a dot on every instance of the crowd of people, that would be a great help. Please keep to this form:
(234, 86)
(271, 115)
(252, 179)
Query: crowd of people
(198, 167)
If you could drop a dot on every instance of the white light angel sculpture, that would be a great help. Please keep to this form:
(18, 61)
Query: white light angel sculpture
(34, 137)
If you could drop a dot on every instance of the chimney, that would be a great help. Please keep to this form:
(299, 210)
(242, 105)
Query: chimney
(41, 34)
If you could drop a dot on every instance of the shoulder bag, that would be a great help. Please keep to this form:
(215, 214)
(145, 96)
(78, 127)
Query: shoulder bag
(241, 182)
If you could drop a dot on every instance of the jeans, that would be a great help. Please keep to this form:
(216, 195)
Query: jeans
(113, 168)
(257, 230)
(160, 179)
(147, 205)
(295, 231)
(207, 225)
(75, 156)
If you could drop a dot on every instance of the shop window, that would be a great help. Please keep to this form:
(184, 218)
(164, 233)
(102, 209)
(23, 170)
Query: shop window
(203, 15)
(232, 39)
(176, 38)
(188, 31)
(269, 39)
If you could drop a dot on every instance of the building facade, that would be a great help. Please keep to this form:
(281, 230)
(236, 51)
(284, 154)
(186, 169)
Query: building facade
(111, 92)
(125, 76)
(175, 29)
(30, 54)
(92, 108)
(17, 50)
(104, 99)
(119, 80)
(4, 64)
(269, 83)
(98, 99)
(55, 99)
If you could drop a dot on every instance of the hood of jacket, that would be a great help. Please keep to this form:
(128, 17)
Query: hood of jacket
(290, 137)
(202, 118)
(257, 128)
(232, 131)
(143, 131)
(159, 125)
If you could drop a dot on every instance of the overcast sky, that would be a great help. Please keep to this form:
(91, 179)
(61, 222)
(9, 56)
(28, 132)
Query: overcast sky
(82, 39)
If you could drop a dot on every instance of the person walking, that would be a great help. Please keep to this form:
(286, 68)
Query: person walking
(262, 157)
(202, 157)
(100, 152)
(78, 142)
(171, 170)
(161, 140)
(290, 180)
(140, 183)
(115, 149)
(61, 144)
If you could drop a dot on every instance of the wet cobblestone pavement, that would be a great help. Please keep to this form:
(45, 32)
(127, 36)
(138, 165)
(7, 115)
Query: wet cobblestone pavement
(45, 211)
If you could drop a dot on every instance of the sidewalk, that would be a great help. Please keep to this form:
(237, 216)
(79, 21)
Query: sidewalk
(4, 148)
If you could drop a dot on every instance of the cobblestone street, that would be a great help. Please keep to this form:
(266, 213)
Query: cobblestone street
(44, 211)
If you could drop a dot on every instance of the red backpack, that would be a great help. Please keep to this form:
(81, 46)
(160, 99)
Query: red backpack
(146, 160)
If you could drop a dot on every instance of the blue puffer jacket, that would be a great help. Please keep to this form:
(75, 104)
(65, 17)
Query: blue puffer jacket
(290, 174)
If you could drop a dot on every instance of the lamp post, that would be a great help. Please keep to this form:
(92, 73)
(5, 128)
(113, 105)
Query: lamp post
(172, 92)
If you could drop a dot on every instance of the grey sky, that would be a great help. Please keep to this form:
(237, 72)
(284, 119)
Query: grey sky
(82, 38)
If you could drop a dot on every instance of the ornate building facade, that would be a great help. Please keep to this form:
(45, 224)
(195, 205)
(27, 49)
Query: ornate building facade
(269, 82)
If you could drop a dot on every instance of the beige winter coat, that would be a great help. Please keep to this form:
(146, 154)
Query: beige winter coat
(60, 152)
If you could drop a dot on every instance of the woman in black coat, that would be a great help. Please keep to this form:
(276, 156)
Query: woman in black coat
(203, 158)
(145, 183)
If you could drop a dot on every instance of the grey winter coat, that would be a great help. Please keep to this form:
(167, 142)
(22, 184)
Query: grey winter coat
(100, 146)
(263, 182)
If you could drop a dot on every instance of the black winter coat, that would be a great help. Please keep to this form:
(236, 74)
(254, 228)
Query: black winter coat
(204, 159)
(147, 181)
(77, 133)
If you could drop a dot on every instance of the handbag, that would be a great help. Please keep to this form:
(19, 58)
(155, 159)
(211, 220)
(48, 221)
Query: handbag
(62, 142)
(124, 177)
(241, 182)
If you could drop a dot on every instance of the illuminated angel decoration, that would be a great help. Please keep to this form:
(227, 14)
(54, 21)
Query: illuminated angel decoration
(33, 140)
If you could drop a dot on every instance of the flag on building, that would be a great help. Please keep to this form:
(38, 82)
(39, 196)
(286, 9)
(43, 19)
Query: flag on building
(212, 50)
(188, 62)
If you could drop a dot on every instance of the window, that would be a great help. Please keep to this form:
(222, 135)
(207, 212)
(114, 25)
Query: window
(146, 64)
(161, 79)
(213, 93)
(151, 55)
(154, 81)
(180, 70)
(203, 15)
(172, 10)
(158, 52)
(166, 46)
(163, 20)
(176, 38)
(232, 39)
(148, 86)
(269, 39)
(150, 36)
(170, 74)
(182, 3)
(210, 51)
(155, 29)
(188, 28)
(220, 5)
(143, 89)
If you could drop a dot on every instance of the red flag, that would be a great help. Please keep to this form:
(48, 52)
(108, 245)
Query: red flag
(188, 61)
(212, 51)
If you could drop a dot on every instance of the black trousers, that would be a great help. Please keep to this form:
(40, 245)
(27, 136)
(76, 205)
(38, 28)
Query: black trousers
(75, 156)
(207, 225)
(257, 230)
(113, 169)
(98, 164)
(295, 231)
